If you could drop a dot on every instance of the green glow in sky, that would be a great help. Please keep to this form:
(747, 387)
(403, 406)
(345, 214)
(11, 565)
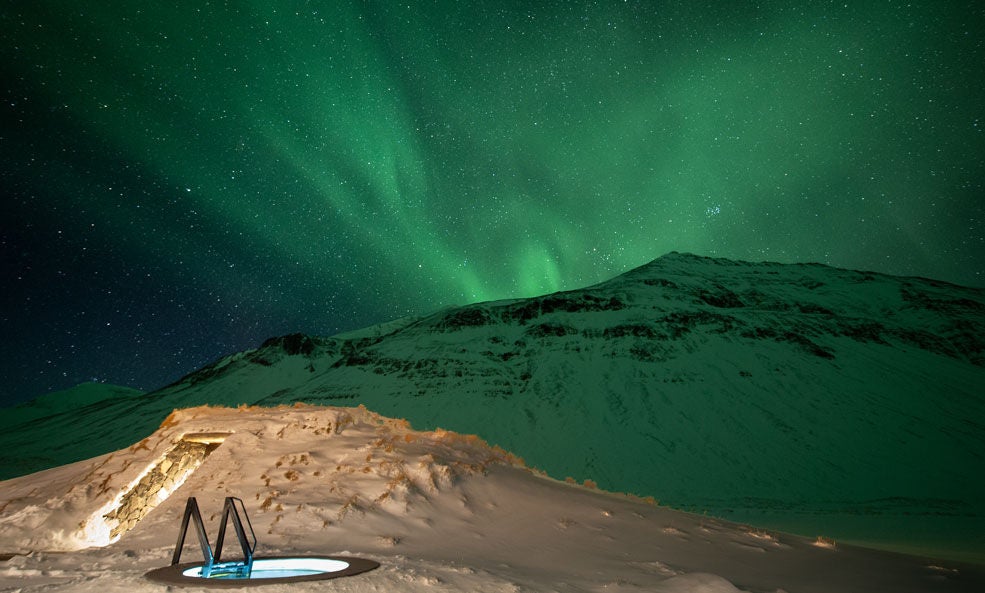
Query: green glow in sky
(338, 162)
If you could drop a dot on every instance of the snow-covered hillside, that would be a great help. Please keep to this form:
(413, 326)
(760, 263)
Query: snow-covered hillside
(52, 429)
(439, 511)
(799, 396)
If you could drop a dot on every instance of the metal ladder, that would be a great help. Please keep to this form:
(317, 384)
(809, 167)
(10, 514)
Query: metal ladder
(214, 567)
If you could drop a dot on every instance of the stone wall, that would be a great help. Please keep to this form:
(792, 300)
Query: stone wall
(180, 461)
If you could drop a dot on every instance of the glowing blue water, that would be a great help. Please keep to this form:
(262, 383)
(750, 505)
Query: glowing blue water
(272, 568)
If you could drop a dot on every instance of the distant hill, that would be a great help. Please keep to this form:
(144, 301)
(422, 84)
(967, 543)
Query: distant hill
(67, 400)
(745, 389)
(50, 430)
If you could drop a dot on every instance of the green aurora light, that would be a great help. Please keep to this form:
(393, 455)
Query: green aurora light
(318, 158)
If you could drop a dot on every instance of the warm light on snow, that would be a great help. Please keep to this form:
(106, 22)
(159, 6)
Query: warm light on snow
(95, 531)
(165, 475)
(435, 510)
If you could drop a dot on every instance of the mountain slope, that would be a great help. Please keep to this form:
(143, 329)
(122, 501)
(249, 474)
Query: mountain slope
(61, 427)
(751, 390)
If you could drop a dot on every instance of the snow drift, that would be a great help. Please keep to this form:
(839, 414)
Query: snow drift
(439, 510)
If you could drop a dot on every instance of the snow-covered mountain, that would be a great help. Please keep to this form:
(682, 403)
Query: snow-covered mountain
(787, 395)
(439, 511)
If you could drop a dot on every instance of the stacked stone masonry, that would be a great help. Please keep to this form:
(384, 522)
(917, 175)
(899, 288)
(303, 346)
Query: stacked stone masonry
(184, 458)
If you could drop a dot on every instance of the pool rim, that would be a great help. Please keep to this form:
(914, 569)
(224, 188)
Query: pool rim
(172, 575)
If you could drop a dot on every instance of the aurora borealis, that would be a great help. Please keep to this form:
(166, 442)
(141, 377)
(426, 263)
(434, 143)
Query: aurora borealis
(181, 182)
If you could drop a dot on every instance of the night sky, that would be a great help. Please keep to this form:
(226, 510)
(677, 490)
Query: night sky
(182, 183)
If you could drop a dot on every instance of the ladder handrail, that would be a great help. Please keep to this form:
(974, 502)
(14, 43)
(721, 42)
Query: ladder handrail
(192, 512)
(249, 524)
(229, 510)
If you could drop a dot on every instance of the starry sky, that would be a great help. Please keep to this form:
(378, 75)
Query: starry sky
(182, 180)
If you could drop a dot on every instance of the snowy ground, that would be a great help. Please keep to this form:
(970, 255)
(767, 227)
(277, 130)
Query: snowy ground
(438, 510)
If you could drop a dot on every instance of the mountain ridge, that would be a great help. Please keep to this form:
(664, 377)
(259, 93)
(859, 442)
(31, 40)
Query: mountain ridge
(473, 314)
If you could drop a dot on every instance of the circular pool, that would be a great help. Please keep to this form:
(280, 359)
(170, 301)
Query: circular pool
(264, 571)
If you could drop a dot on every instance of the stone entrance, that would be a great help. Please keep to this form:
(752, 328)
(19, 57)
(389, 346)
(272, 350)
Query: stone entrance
(163, 479)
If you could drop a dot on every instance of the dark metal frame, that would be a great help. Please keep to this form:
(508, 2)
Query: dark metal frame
(213, 561)
(235, 574)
